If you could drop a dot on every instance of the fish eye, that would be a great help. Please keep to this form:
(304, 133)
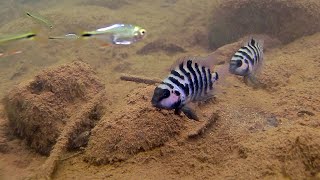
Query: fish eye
(143, 31)
(239, 63)
(165, 93)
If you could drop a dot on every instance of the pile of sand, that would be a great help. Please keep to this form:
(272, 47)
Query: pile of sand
(39, 110)
(139, 127)
(285, 19)
(276, 130)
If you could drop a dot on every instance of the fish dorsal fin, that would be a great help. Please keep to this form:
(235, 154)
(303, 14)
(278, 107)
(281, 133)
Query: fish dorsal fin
(179, 61)
(196, 59)
(249, 40)
(254, 41)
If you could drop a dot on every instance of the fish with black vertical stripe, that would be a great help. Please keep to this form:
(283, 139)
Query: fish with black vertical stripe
(247, 61)
(189, 81)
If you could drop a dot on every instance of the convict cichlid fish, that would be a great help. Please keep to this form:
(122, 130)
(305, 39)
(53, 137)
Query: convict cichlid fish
(119, 34)
(247, 61)
(190, 81)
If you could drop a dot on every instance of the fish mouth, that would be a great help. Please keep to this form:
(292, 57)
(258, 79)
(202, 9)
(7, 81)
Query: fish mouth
(155, 103)
(232, 68)
(158, 105)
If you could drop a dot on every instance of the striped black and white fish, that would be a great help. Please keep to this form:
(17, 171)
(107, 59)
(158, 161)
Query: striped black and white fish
(188, 81)
(247, 60)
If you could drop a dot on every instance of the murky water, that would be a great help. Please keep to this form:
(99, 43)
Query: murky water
(72, 16)
(177, 28)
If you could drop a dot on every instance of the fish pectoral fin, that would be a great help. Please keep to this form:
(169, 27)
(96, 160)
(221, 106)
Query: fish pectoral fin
(190, 113)
(177, 111)
(252, 81)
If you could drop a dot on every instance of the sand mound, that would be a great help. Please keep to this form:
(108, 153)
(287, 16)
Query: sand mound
(303, 154)
(137, 127)
(39, 110)
(292, 151)
(289, 148)
(292, 72)
(285, 19)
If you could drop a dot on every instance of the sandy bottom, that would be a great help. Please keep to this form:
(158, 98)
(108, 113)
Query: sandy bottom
(260, 133)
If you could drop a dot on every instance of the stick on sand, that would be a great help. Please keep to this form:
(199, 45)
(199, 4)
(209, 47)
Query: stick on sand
(138, 79)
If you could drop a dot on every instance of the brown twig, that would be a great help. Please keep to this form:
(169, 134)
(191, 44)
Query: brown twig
(138, 79)
(199, 130)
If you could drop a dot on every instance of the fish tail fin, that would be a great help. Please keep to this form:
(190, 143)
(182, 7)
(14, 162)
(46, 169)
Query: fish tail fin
(215, 76)
(71, 36)
(221, 77)
(77, 34)
(74, 37)
(223, 71)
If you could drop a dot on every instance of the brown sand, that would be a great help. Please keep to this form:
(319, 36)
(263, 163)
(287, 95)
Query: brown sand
(139, 127)
(261, 134)
(39, 110)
